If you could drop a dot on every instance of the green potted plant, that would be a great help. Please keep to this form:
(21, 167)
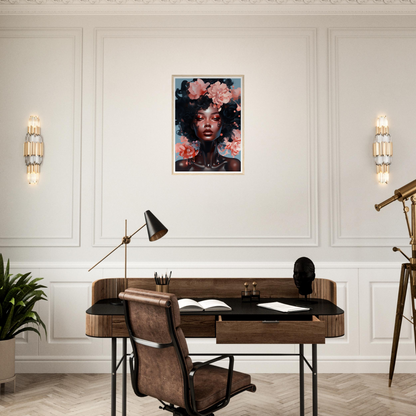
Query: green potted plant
(18, 296)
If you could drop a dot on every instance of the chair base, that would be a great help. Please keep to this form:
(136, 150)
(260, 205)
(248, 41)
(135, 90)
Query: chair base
(177, 411)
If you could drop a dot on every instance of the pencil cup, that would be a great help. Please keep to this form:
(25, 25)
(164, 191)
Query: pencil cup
(162, 288)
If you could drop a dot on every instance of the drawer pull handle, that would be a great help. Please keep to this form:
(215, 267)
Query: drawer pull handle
(270, 322)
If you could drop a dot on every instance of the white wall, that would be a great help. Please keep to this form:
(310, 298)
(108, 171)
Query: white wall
(101, 85)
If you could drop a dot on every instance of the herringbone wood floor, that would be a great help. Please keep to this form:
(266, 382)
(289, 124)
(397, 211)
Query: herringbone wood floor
(277, 394)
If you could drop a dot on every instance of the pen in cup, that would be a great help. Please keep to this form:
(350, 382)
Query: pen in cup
(162, 282)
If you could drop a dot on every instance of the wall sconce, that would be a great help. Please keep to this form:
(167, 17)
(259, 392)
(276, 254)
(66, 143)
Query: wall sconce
(382, 149)
(33, 150)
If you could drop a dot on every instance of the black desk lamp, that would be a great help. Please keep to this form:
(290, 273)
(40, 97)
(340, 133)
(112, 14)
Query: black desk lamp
(155, 230)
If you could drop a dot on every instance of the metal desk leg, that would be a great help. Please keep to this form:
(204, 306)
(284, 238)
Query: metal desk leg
(301, 381)
(113, 375)
(315, 379)
(124, 391)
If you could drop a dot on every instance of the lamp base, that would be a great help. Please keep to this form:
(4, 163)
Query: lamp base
(115, 301)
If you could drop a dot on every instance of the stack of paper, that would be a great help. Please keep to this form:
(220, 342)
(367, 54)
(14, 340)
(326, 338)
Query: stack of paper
(282, 307)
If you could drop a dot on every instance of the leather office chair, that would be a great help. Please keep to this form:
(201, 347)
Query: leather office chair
(160, 365)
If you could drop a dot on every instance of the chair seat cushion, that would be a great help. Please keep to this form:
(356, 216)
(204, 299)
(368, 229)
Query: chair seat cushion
(211, 385)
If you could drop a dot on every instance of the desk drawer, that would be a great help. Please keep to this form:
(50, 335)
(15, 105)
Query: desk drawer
(281, 332)
(198, 326)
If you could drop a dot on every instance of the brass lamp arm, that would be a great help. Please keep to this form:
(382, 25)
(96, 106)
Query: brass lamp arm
(112, 251)
(144, 225)
(126, 240)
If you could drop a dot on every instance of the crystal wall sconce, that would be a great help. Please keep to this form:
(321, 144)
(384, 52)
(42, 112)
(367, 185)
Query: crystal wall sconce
(33, 150)
(382, 149)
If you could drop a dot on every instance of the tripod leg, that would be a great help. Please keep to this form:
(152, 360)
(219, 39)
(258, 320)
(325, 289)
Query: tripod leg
(413, 292)
(404, 278)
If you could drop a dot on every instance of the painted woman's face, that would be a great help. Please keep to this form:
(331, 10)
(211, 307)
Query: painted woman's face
(208, 124)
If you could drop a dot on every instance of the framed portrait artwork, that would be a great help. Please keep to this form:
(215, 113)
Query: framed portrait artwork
(208, 124)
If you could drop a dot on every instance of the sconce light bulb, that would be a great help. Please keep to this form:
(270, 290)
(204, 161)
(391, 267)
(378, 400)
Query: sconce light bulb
(33, 178)
(383, 177)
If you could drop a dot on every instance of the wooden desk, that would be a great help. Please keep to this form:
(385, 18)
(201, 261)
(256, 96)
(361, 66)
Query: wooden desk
(239, 326)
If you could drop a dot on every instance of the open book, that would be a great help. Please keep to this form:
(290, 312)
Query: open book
(190, 305)
(282, 307)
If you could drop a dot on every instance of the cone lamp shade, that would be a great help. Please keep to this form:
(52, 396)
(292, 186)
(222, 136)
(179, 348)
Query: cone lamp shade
(155, 228)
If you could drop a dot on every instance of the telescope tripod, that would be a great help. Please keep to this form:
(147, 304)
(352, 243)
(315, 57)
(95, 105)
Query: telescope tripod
(405, 275)
(408, 272)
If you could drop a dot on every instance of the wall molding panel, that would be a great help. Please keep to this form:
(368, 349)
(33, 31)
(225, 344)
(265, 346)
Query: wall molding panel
(108, 42)
(61, 168)
(376, 229)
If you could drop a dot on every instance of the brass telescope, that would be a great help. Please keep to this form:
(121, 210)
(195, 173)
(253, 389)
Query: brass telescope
(400, 194)
(408, 270)
(403, 194)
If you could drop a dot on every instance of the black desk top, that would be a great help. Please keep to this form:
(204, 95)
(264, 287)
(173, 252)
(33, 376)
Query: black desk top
(239, 308)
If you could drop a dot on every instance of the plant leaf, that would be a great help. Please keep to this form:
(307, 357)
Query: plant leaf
(41, 322)
(18, 295)
(3, 334)
(27, 328)
(1, 270)
(6, 273)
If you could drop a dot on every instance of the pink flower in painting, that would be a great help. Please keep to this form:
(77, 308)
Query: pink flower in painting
(235, 93)
(235, 145)
(197, 88)
(219, 94)
(185, 149)
(222, 148)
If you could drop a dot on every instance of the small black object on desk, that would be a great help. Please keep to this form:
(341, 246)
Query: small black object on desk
(246, 294)
(255, 297)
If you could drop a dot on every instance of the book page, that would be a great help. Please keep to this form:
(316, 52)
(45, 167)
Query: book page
(189, 304)
(214, 303)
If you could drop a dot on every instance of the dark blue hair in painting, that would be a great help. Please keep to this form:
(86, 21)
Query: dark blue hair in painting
(186, 109)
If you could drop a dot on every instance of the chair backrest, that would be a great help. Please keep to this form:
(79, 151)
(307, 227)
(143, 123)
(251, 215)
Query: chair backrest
(161, 354)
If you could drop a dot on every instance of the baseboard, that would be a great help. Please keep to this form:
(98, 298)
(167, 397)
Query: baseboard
(246, 364)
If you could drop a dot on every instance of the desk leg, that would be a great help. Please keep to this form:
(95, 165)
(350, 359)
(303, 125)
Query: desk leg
(113, 375)
(301, 381)
(124, 377)
(315, 379)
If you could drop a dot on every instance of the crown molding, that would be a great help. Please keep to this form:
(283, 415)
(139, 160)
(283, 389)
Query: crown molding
(200, 3)
(208, 7)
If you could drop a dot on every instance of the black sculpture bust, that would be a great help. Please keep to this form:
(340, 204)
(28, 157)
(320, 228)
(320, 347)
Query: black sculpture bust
(304, 275)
